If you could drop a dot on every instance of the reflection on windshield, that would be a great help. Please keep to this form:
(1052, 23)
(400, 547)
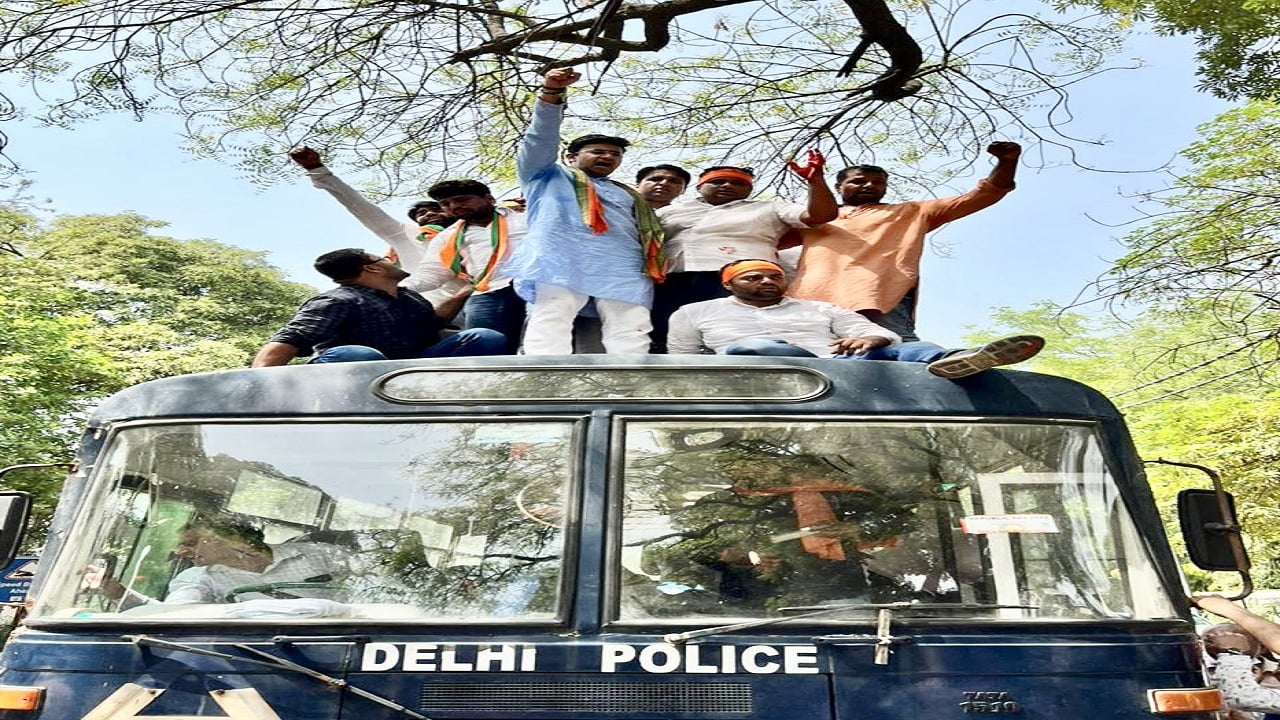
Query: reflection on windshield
(433, 521)
(748, 521)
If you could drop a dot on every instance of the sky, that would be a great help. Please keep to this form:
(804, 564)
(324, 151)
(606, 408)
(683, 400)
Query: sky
(1044, 242)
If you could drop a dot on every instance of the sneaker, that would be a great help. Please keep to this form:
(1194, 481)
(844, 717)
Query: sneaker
(1005, 351)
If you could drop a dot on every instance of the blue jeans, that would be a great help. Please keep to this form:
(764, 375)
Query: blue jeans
(501, 310)
(902, 318)
(465, 343)
(921, 352)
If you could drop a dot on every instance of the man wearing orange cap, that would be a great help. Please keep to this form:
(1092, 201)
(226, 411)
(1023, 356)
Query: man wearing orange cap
(758, 319)
(722, 225)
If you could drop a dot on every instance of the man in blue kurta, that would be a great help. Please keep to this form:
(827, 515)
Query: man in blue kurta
(589, 237)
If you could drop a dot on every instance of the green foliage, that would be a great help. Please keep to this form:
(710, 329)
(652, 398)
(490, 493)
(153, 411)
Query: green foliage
(93, 304)
(1239, 41)
(1186, 405)
(1207, 255)
(408, 93)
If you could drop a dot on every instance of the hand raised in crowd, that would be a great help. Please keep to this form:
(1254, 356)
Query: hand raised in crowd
(812, 167)
(855, 345)
(561, 77)
(306, 157)
(1005, 150)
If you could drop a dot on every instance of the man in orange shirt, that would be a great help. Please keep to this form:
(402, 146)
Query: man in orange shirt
(868, 258)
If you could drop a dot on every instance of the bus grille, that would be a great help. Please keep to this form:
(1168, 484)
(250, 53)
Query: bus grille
(587, 697)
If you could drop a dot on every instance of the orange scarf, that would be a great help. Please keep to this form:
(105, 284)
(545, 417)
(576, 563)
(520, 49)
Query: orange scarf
(455, 239)
(647, 225)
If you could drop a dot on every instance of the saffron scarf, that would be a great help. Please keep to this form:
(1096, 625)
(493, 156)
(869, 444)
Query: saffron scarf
(451, 253)
(647, 224)
(426, 232)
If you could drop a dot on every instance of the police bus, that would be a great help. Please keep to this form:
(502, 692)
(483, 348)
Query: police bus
(601, 537)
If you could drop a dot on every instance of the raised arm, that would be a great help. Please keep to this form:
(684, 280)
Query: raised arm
(540, 146)
(821, 206)
(399, 235)
(1267, 632)
(1006, 155)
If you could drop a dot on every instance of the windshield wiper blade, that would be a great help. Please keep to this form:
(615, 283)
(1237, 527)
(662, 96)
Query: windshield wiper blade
(677, 638)
(818, 610)
(278, 663)
(913, 606)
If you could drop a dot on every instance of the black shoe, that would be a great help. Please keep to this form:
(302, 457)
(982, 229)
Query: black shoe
(1005, 351)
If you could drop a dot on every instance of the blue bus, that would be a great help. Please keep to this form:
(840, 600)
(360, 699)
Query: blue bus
(595, 537)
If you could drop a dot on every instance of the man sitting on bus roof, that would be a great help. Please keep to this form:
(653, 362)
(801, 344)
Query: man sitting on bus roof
(758, 319)
(370, 317)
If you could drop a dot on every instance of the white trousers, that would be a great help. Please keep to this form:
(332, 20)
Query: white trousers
(624, 326)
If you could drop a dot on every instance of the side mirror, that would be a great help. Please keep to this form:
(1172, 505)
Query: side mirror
(1210, 530)
(15, 511)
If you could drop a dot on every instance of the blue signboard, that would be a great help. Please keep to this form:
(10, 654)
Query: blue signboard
(15, 579)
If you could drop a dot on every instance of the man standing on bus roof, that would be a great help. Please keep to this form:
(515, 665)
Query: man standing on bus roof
(868, 259)
(758, 319)
(660, 185)
(722, 225)
(370, 317)
(589, 237)
(472, 250)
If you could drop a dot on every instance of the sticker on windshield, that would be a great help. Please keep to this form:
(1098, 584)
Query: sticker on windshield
(1024, 523)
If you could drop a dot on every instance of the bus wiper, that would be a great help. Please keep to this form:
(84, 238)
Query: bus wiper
(278, 663)
(809, 611)
(677, 638)
(913, 606)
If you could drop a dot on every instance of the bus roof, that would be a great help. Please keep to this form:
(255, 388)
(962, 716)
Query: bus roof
(698, 384)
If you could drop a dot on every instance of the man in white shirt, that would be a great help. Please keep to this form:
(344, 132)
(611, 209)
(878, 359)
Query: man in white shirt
(722, 225)
(472, 251)
(758, 319)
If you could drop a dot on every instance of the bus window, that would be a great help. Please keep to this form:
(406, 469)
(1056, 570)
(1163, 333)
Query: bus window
(1000, 520)
(434, 521)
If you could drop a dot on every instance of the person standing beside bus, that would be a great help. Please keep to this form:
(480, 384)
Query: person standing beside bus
(589, 237)
(1235, 648)
(868, 259)
(370, 317)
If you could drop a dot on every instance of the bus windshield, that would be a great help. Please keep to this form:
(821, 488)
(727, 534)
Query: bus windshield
(452, 521)
(475, 520)
(755, 519)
